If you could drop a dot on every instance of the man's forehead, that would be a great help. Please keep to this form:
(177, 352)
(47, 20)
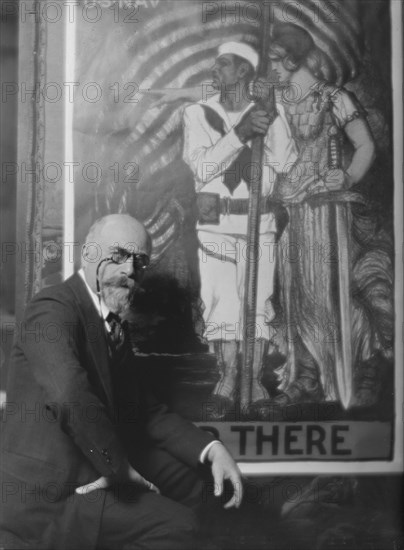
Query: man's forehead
(226, 56)
(119, 233)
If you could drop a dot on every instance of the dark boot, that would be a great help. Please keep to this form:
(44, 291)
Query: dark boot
(260, 401)
(306, 389)
(224, 393)
(367, 384)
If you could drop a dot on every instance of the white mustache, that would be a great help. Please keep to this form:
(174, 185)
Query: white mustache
(119, 282)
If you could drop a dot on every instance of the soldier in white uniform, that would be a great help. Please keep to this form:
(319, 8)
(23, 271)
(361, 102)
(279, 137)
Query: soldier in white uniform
(217, 147)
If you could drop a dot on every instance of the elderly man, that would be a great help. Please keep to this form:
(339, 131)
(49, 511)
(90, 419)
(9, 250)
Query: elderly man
(90, 459)
(217, 140)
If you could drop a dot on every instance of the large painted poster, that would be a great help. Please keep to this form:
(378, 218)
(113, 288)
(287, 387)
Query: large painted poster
(163, 121)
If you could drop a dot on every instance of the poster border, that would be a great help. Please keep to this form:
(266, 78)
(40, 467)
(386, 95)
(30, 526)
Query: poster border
(327, 467)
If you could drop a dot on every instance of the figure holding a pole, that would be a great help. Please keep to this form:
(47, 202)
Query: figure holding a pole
(236, 146)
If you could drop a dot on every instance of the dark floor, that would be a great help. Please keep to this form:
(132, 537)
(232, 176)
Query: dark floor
(363, 513)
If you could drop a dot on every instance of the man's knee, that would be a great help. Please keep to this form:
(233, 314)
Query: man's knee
(181, 529)
(185, 519)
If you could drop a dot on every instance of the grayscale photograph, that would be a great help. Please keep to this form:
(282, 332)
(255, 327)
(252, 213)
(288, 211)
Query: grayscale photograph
(202, 275)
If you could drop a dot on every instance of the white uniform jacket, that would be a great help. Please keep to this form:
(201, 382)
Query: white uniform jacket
(208, 154)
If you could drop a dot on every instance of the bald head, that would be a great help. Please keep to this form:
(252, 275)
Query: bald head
(108, 234)
(120, 228)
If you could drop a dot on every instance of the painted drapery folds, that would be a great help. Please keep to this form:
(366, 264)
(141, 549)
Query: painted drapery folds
(311, 331)
(138, 66)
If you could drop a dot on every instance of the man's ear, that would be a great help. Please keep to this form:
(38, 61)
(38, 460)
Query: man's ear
(243, 70)
(84, 256)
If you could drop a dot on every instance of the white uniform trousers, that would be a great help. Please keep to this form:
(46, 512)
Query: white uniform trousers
(222, 264)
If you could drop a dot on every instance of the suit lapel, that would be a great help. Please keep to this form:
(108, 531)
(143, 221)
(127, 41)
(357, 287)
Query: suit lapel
(95, 333)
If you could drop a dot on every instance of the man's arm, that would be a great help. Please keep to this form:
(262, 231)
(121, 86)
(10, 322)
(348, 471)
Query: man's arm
(172, 432)
(184, 440)
(206, 160)
(68, 392)
(224, 468)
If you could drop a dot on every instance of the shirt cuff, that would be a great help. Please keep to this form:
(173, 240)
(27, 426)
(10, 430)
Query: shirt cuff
(233, 140)
(204, 453)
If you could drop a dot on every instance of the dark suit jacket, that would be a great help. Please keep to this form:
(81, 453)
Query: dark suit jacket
(70, 419)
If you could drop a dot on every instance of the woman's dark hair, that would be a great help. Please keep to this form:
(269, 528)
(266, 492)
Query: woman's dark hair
(295, 46)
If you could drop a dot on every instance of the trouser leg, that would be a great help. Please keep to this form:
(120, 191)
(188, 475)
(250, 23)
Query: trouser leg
(135, 519)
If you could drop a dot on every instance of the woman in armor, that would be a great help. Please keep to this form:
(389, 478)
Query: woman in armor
(334, 272)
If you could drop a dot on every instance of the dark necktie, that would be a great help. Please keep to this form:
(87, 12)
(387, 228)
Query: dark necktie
(241, 167)
(117, 335)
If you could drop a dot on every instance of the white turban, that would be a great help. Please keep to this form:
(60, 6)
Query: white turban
(242, 50)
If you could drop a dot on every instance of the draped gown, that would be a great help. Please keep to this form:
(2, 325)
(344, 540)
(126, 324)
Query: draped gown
(307, 326)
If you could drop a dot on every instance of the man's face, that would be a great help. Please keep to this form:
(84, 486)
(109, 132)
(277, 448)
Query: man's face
(225, 72)
(118, 282)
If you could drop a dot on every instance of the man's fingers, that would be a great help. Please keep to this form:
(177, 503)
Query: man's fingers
(237, 497)
(260, 129)
(224, 467)
(261, 126)
(261, 118)
(218, 479)
(104, 482)
(238, 490)
(100, 483)
(152, 487)
(140, 480)
(231, 503)
(148, 485)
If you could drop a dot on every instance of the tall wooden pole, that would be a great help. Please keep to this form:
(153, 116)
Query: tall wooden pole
(254, 215)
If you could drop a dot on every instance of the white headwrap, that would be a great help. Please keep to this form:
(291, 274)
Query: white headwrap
(242, 50)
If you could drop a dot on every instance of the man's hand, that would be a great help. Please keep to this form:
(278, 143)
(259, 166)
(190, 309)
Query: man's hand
(252, 124)
(224, 467)
(126, 474)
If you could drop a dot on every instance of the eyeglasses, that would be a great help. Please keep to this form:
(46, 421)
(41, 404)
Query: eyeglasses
(121, 256)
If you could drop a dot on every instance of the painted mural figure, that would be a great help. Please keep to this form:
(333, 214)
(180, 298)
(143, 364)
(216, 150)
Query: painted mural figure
(217, 135)
(339, 166)
(308, 328)
(322, 116)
